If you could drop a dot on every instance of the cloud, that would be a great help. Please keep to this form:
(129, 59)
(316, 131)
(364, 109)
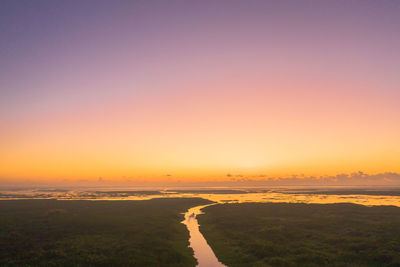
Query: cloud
(356, 179)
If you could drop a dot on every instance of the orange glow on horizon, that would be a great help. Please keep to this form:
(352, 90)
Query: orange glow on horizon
(265, 90)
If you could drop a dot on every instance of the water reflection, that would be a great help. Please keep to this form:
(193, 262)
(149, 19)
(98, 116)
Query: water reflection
(271, 196)
(202, 251)
(368, 200)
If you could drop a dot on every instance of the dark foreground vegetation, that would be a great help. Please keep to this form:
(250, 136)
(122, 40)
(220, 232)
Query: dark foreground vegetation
(281, 234)
(95, 233)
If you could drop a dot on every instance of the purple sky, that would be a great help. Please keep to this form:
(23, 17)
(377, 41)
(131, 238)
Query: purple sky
(288, 85)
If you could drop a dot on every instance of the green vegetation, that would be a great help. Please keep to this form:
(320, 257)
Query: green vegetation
(282, 234)
(95, 233)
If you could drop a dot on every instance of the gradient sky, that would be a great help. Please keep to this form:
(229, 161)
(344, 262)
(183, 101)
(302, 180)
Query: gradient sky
(198, 89)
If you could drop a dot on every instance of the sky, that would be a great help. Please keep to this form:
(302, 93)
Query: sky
(198, 90)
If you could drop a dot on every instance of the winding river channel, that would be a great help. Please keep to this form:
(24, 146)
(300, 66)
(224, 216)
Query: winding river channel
(202, 251)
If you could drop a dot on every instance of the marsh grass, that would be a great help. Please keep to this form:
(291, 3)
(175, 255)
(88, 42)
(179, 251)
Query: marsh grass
(95, 233)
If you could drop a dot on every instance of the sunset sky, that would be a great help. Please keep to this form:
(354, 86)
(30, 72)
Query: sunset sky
(194, 90)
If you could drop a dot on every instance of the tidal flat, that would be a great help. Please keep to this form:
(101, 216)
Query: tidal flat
(263, 227)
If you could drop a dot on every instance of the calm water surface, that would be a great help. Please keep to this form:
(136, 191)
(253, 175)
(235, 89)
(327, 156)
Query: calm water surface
(202, 251)
(368, 200)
